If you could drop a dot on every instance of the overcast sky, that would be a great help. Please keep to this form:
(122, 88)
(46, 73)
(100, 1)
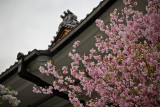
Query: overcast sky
(31, 24)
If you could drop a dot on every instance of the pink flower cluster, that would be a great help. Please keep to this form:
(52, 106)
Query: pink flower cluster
(8, 94)
(124, 70)
(38, 89)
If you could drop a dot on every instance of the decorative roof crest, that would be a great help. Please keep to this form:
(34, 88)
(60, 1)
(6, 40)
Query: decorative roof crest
(69, 20)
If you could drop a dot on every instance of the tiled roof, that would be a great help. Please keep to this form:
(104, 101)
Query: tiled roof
(96, 12)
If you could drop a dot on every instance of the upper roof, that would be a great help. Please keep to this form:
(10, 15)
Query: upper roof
(77, 28)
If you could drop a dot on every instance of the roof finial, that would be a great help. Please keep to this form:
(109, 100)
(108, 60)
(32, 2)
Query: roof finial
(20, 55)
(69, 20)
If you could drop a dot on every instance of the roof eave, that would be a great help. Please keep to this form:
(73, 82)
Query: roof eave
(27, 59)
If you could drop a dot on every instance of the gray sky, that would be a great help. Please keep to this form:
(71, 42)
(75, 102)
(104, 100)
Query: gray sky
(31, 24)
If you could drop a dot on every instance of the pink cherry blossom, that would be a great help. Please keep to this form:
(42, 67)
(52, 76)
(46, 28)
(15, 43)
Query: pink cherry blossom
(76, 44)
(9, 95)
(124, 68)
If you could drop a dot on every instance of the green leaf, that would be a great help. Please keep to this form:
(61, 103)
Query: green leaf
(106, 60)
(1, 100)
(158, 47)
(107, 76)
(82, 70)
(119, 57)
(9, 88)
(99, 82)
(133, 90)
(114, 69)
(150, 69)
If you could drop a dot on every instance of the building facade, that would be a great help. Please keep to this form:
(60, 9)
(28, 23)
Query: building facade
(25, 72)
